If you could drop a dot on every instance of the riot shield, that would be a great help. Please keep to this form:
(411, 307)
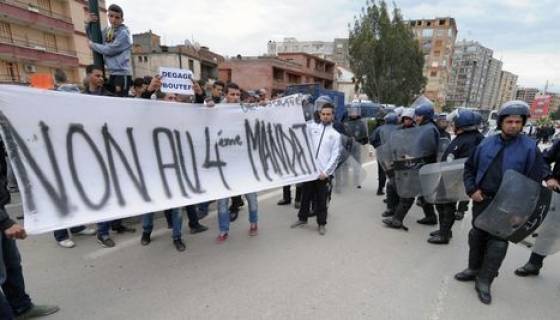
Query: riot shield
(442, 182)
(519, 207)
(444, 142)
(350, 173)
(357, 129)
(383, 154)
(547, 236)
(410, 150)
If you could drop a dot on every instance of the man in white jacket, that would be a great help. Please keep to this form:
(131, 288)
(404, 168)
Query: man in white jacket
(326, 145)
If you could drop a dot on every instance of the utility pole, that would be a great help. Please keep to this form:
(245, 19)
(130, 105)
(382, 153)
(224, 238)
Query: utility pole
(94, 32)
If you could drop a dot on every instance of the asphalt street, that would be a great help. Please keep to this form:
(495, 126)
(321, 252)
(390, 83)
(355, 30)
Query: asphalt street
(358, 270)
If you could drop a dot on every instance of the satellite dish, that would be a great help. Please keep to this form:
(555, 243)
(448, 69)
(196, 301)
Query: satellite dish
(188, 43)
(196, 45)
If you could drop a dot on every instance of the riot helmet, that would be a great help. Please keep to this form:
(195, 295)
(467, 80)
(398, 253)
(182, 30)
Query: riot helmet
(513, 108)
(391, 118)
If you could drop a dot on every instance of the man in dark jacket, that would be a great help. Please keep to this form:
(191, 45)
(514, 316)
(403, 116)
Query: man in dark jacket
(482, 177)
(535, 263)
(14, 301)
(467, 139)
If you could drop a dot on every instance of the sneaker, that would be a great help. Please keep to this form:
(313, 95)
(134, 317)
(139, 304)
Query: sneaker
(105, 241)
(145, 240)
(322, 230)
(87, 232)
(253, 230)
(67, 243)
(198, 229)
(179, 245)
(298, 224)
(122, 229)
(222, 237)
(37, 311)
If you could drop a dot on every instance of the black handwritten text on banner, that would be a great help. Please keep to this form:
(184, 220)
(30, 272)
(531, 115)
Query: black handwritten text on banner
(82, 159)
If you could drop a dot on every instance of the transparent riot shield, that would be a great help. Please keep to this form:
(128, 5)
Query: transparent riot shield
(350, 173)
(519, 207)
(357, 129)
(410, 150)
(442, 182)
(383, 155)
(444, 142)
(547, 236)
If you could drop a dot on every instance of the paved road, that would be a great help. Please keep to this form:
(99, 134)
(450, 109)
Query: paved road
(359, 270)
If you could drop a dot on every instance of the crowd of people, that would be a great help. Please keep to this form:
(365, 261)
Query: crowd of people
(487, 160)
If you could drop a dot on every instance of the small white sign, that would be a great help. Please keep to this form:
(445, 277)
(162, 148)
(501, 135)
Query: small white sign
(175, 80)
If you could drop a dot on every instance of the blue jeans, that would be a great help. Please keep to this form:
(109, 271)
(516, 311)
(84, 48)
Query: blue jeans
(176, 217)
(103, 228)
(223, 211)
(62, 234)
(14, 301)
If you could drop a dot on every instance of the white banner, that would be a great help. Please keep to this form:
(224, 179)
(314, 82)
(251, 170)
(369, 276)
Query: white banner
(176, 80)
(81, 159)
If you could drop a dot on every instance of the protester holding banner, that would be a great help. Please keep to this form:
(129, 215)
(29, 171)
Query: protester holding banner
(326, 143)
(116, 50)
(484, 170)
(466, 140)
(233, 95)
(14, 301)
(535, 263)
(94, 77)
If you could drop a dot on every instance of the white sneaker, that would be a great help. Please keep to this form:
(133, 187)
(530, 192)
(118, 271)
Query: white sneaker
(66, 243)
(87, 232)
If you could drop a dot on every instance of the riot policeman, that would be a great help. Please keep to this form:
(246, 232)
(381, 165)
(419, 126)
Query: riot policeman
(356, 129)
(379, 140)
(467, 138)
(413, 147)
(484, 170)
(535, 263)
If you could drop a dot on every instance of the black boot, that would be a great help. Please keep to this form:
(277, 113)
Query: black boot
(439, 239)
(430, 221)
(435, 233)
(388, 213)
(459, 215)
(482, 287)
(466, 275)
(528, 269)
(393, 223)
(496, 250)
(284, 202)
(380, 192)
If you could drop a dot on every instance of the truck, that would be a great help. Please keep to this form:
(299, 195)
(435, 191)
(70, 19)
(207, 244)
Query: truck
(315, 91)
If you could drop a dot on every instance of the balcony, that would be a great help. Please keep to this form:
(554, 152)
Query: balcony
(23, 49)
(26, 14)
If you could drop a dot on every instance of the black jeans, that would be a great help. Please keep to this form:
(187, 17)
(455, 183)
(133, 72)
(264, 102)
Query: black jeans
(316, 191)
(381, 177)
(13, 301)
(287, 193)
(120, 85)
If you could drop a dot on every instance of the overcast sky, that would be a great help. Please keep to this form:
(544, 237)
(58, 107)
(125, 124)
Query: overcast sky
(523, 33)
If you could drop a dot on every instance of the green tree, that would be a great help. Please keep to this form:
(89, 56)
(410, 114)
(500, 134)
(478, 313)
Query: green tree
(384, 55)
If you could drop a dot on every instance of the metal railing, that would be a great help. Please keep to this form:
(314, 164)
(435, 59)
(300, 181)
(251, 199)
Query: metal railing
(37, 9)
(41, 46)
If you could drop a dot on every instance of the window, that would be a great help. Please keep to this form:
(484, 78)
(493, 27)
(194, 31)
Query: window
(427, 33)
(5, 32)
(50, 41)
(191, 65)
(436, 53)
(44, 4)
(139, 58)
(442, 22)
(145, 58)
